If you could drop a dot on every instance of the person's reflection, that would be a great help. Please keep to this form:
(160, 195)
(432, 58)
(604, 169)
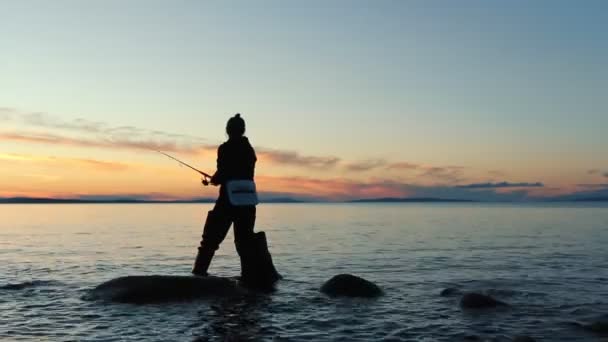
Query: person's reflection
(236, 319)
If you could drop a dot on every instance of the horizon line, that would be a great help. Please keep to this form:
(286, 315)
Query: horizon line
(284, 199)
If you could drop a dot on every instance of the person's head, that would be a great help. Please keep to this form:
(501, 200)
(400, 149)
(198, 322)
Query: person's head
(235, 128)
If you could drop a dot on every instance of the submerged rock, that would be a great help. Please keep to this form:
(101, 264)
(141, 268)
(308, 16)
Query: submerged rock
(599, 327)
(162, 288)
(450, 291)
(348, 285)
(473, 300)
(26, 285)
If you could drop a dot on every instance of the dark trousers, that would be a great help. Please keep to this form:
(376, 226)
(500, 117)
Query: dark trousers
(257, 269)
(219, 221)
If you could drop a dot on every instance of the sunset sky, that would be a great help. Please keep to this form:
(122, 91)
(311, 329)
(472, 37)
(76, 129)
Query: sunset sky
(489, 100)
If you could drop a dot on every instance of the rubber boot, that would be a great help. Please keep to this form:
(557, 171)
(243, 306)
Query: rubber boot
(202, 262)
(257, 268)
(214, 232)
(266, 266)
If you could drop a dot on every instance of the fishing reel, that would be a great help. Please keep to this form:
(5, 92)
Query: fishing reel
(205, 180)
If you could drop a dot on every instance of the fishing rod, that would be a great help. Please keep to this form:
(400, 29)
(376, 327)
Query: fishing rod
(206, 176)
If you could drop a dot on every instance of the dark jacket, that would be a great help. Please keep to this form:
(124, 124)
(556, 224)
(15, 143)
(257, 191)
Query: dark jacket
(235, 160)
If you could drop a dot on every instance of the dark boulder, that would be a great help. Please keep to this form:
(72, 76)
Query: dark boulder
(598, 327)
(347, 285)
(450, 291)
(164, 288)
(473, 300)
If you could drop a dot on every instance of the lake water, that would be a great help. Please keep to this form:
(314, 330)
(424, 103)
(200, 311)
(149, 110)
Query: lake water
(548, 262)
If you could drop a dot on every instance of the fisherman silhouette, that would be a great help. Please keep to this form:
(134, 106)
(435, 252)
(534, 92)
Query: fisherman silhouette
(236, 204)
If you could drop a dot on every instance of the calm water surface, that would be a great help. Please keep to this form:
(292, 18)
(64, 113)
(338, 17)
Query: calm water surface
(548, 262)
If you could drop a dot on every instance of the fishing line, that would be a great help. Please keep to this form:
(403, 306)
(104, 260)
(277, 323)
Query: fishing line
(206, 176)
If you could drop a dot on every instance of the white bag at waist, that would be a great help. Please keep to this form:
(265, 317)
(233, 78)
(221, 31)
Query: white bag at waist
(242, 192)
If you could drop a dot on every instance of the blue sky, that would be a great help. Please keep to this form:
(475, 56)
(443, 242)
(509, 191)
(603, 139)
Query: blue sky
(514, 86)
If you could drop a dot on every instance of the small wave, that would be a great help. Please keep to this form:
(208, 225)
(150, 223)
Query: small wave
(27, 284)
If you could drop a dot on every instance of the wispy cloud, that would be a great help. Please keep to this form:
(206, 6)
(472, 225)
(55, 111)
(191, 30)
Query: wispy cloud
(442, 174)
(497, 173)
(65, 162)
(500, 185)
(6, 114)
(588, 191)
(449, 174)
(106, 142)
(289, 158)
(402, 166)
(95, 134)
(45, 120)
(593, 185)
(338, 189)
(104, 135)
(296, 159)
(365, 165)
(598, 172)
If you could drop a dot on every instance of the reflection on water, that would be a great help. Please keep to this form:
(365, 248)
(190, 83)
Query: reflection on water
(548, 262)
(235, 319)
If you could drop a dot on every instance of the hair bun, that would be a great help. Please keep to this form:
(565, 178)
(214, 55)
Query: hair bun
(238, 115)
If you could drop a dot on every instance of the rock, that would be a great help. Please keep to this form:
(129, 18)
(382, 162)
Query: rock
(473, 300)
(161, 288)
(599, 327)
(348, 285)
(450, 291)
(523, 338)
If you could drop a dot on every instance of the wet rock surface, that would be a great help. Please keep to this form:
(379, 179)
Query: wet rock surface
(474, 300)
(163, 288)
(450, 291)
(348, 285)
(599, 327)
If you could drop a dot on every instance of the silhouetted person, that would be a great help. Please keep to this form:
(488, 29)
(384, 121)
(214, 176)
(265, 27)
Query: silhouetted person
(236, 160)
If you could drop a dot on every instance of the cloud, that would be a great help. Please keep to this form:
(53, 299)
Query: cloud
(107, 142)
(44, 120)
(124, 141)
(365, 165)
(593, 186)
(497, 173)
(103, 135)
(40, 119)
(344, 189)
(95, 134)
(590, 191)
(449, 174)
(66, 162)
(500, 185)
(598, 172)
(402, 166)
(6, 114)
(296, 159)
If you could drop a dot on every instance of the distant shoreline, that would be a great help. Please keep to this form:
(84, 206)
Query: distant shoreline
(30, 200)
